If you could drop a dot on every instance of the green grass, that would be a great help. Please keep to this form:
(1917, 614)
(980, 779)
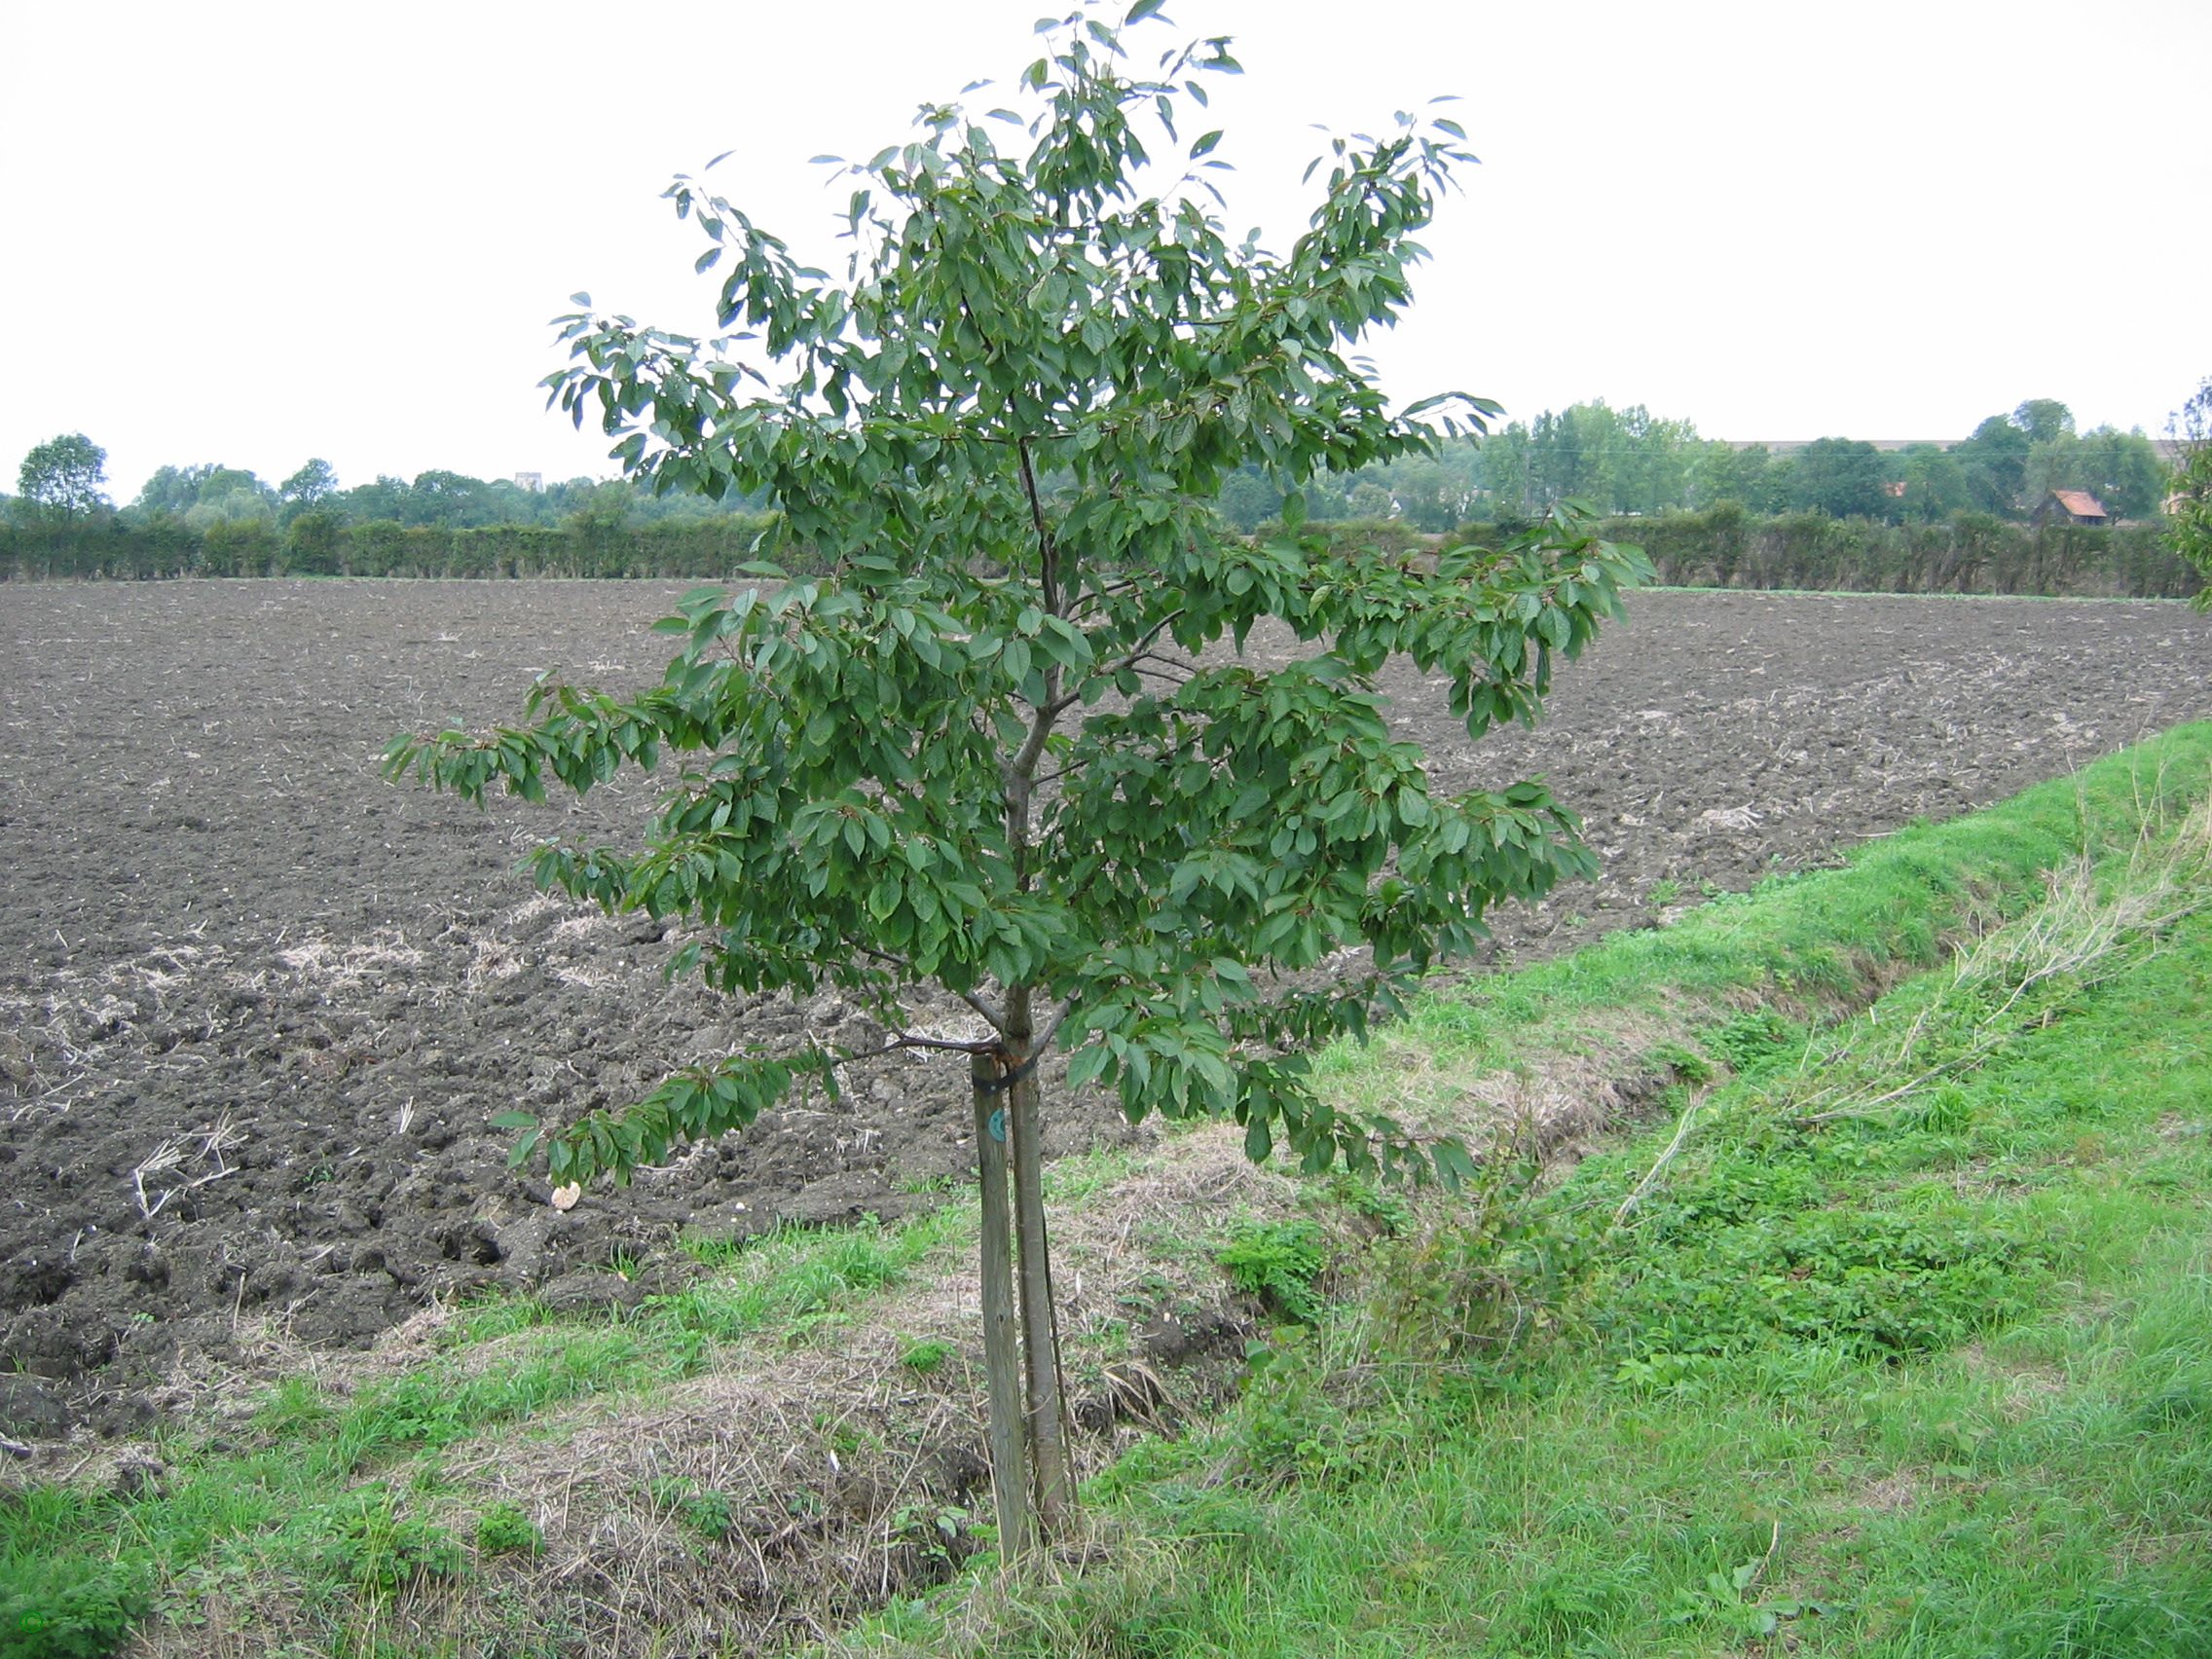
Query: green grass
(341, 1498)
(1805, 944)
(1914, 1378)
(338, 1497)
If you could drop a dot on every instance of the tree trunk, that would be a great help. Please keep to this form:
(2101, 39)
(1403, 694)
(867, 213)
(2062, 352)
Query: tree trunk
(1039, 1319)
(1002, 1366)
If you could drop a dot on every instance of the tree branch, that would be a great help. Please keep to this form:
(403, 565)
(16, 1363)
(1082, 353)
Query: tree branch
(990, 1017)
(905, 1040)
(1143, 647)
(1047, 551)
(983, 1010)
(1171, 669)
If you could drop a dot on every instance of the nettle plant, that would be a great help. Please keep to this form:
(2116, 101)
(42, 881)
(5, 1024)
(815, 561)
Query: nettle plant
(1002, 746)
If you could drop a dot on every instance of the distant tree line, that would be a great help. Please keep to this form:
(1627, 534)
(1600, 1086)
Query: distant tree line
(1726, 547)
(222, 521)
(1837, 512)
(1629, 461)
(199, 497)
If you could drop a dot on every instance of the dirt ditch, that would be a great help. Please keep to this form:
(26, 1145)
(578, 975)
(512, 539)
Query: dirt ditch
(256, 1007)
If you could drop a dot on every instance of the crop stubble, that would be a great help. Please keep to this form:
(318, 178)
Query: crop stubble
(256, 1007)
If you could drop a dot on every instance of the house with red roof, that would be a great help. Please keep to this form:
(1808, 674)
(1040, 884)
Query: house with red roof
(2070, 507)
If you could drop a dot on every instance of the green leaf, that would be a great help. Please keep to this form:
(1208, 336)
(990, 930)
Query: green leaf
(1000, 448)
(1087, 1065)
(512, 1120)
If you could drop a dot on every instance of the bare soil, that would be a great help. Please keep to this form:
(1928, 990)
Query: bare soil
(257, 1007)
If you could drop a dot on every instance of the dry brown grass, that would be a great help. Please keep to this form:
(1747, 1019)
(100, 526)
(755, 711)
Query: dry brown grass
(807, 1479)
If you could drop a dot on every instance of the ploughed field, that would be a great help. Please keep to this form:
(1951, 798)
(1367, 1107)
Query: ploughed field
(257, 1007)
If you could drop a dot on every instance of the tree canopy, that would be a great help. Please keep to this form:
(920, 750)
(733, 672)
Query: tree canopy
(1008, 746)
(1008, 431)
(63, 476)
(1841, 477)
(316, 482)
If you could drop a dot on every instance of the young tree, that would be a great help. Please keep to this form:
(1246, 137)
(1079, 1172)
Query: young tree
(63, 476)
(995, 750)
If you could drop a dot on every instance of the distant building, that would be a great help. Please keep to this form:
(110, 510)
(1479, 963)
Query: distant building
(2070, 507)
(534, 482)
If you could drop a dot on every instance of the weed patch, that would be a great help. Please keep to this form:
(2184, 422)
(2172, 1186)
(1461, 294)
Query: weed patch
(506, 1528)
(72, 1608)
(1277, 1262)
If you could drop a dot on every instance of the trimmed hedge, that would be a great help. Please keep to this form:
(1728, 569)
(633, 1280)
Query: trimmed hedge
(1723, 547)
(1726, 547)
(315, 544)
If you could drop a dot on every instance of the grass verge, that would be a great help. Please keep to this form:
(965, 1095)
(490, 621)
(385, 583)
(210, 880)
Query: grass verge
(1741, 972)
(343, 1499)
(1896, 1345)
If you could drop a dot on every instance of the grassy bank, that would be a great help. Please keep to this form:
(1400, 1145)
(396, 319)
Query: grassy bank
(335, 1491)
(1892, 1341)
(1801, 947)
(1835, 1351)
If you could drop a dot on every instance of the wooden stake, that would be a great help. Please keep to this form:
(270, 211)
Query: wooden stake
(1002, 1365)
(1040, 1323)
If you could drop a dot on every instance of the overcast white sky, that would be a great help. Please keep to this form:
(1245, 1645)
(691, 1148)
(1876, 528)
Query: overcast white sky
(253, 234)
